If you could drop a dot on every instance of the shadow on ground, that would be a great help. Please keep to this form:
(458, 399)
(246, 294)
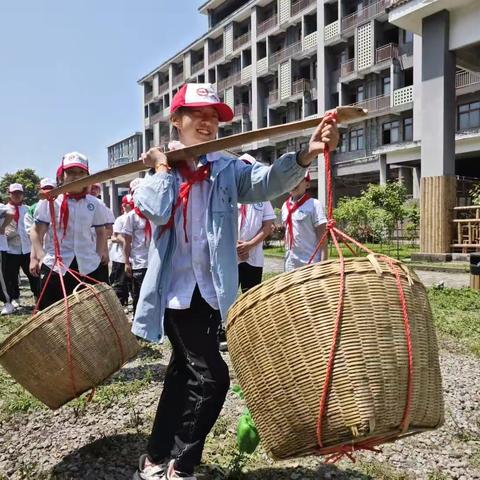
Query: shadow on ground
(108, 458)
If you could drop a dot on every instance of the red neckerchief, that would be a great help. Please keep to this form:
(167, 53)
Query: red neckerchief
(64, 213)
(16, 215)
(190, 178)
(292, 206)
(148, 228)
(243, 215)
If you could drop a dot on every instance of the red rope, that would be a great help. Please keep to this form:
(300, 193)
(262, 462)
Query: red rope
(336, 453)
(58, 262)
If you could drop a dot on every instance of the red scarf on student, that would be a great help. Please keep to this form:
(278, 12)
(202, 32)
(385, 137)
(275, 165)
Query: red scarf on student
(243, 215)
(16, 215)
(64, 213)
(190, 178)
(148, 228)
(292, 206)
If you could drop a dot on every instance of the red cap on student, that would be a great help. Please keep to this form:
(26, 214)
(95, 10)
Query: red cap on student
(74, 159)
(127, 200)
(195, 95)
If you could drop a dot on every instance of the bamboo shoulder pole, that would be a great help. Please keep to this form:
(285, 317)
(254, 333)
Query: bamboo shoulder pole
(344, 115)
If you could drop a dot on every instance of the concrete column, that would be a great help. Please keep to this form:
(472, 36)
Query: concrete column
(405, 177)
(438, 97)
(254, 114)
(416, 182)
(438, 192)
(417, 87)
(105, 194)
(383, 169)
(114, 198)
(322, 70)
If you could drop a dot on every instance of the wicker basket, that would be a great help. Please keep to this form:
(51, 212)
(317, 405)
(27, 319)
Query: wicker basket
(36, 356)
(279, 336)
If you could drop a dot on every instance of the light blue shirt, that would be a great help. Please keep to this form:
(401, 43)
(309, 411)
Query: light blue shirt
(232, 182)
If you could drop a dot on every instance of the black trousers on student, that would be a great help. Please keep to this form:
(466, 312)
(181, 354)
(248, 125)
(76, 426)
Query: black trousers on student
(249, 276)
(11, 268)
(194, 389)
(137, 279)
(120, 282)
(54, 292)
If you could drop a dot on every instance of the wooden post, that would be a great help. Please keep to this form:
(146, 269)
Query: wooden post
(438, 198)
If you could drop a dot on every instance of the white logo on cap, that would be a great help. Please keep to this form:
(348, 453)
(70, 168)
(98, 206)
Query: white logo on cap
(203, 92)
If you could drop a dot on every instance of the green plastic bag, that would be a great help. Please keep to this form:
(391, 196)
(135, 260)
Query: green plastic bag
(247, 434)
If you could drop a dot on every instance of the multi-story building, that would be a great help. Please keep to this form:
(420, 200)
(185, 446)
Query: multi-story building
(119, 153)
(276, 61)
(126, 150)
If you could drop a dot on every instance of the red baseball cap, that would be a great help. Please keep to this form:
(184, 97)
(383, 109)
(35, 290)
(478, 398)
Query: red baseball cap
(195, 95)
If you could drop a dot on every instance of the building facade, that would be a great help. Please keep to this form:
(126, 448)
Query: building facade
(119, 153)
(277, 61)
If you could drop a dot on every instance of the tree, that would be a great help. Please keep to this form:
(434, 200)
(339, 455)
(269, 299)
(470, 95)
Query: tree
(28, 178)
(475, 194)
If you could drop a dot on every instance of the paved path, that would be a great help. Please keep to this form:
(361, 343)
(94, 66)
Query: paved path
(450, 279)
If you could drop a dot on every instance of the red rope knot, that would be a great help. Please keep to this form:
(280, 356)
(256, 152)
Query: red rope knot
(331, 224)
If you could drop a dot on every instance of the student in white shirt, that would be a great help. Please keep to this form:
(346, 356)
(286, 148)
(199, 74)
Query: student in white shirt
(95, 190)
(6, 216)
(136, 234)
(255, 223)
(75, 212)
(46, 184)
(19, 246)
(119, 280)
(305, 224)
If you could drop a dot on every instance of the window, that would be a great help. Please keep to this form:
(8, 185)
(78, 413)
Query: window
(408, 129)
(391, 132)
(386, 85)
(469, 116)
(356, 140)
(360, 93)
(343, 142)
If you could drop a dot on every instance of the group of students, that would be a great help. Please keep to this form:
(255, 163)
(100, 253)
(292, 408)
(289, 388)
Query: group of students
(188, 237)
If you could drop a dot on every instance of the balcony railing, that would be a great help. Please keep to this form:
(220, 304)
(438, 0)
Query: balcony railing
(465, 79)
(215, 55)
(241, 109)
(332, 30)
(300, 86)
(148, 96)
(386, 52)
(404, 95)
(266, 25)
(300, 5)
(158, 117)
(347, 67)
(285, 53)
(177, 79)
(310, 41)
(262, 66)
(366, 13)
(163, 86)
(228, 81)
(374, 104)
(241, 40)
(196, 67)
(273, 97)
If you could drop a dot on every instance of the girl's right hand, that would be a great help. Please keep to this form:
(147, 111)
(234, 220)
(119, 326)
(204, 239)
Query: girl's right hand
(155, 158)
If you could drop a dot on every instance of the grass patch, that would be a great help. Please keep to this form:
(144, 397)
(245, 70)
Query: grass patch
(456, 313)
(404, 251)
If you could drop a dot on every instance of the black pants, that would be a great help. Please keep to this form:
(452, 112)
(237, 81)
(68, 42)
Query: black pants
(11, 269)
(137, 279)
(120, 282)
(195, 386)
(54, 292)
(249, 276)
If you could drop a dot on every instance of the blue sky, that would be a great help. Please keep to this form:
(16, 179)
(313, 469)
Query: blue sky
(69, 71)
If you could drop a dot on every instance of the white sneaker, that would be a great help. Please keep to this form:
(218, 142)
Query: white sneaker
(16, 304)
(150, 472)
(172, 474)
(7, 309)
